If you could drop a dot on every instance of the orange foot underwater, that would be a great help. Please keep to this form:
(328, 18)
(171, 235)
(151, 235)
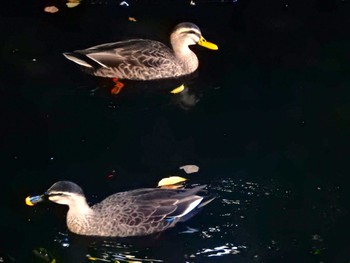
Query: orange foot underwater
(117, 87)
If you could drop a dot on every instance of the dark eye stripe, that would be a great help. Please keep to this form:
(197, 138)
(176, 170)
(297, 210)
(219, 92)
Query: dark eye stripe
(58, 194)
(191, 32)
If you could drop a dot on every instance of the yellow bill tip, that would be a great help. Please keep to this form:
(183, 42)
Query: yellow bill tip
(32, 200)
(28, 202)
(202, 42)
(209, 45)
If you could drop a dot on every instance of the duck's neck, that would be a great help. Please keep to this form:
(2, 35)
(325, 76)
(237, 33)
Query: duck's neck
(186, 57)
(79, 216)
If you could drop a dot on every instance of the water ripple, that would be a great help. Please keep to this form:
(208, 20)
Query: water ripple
(110, 251)
(227, 249)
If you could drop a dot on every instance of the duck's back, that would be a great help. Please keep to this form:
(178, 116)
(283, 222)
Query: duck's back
(143, 211)
(137, 59)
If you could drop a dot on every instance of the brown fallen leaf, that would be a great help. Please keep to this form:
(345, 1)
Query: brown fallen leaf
(51, 9)
(190, 168)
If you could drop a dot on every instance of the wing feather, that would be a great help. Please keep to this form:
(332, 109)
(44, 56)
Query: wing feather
(138, 52)
(151, 205)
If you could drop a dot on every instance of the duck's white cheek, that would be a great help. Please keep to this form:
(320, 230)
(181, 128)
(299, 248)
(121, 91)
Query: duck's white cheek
(192, 41)
(58, 200)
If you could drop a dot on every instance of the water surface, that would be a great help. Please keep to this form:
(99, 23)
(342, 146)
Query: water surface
(266, 119)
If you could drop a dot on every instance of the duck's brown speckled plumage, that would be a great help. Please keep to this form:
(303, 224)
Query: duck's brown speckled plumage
(142, 59)
(139, 59)
(132, 213)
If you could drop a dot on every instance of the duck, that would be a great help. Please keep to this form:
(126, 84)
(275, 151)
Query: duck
(143, 59)
(136, 212)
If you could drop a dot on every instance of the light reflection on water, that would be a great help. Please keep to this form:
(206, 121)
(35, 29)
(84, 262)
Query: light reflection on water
(213, 238)
(117, 252)
(62, 239)
(223, 231)
(227, 249)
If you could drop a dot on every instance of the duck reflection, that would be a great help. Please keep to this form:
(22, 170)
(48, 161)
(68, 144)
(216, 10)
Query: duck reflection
(186, 99)
(180, 92)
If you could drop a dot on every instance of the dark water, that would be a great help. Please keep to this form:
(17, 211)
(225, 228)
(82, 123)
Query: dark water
(266, 119)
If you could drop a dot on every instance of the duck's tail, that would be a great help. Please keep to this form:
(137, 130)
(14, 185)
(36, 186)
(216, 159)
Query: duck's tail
(80, 59)
(189, 203)
(206, 200)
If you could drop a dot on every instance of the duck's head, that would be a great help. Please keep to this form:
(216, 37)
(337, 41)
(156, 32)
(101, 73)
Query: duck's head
(62, 192)
(186, 34)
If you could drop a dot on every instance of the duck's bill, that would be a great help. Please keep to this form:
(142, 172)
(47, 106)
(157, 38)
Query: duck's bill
(202, 42)
(32, 200)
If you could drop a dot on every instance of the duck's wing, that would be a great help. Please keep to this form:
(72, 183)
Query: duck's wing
(169, 204)
(152, 205)
(136, 52)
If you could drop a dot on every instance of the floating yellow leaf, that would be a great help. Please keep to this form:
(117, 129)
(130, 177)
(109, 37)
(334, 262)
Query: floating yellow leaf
(132, 19)
(171, 181)
(72, 4)
(173, 186)
(178, 89)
